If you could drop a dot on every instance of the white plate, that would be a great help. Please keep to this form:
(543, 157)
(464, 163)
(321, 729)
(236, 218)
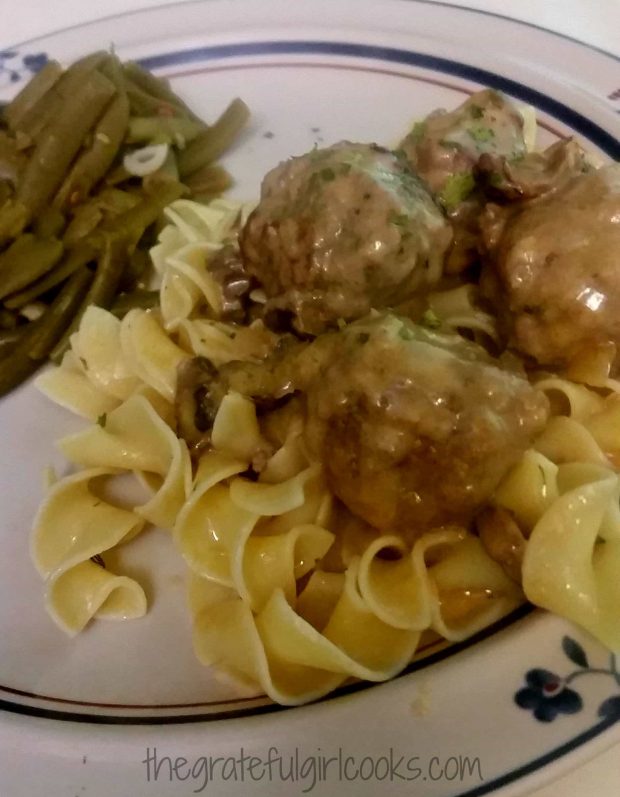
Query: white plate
(312, 72)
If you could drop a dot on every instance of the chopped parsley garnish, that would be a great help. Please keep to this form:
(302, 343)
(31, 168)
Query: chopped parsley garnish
(405, 333)
(417, 132)
(363, 337)
(102, 420)
(345, 169)
(430, 319)
(457, 188)
(328, 174)
(476, 111)
(481, 134)
(398, 219)
(445, 142)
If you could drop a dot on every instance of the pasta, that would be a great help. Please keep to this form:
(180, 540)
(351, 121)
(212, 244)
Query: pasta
(73, 526)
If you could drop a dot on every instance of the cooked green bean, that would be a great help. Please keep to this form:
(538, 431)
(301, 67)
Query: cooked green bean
(50, 223)
(12, 160)
(39, 337)
(140, 298)
(178, 130)
(208, 182)
(86, 219)
(8, 319)
(215, 140)
(158, 89)
(75, 259)
(32, 93)
(93, 164)
(26, 260)
(45, 110)
(135, 268)
(168, 172)
(130, 226)
(112, 68)
(102, 208)
(11, 339)
(59, 314)
(13, 217)
(143, 104)
(61, 141)
(5, 192)
(101, 292)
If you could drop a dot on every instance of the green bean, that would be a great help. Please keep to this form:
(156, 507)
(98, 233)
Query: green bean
(26, 260)
(118, 175)
(40, 336)
(86, 219)
(5, 192)
(45, 110)
(135, 268)
(112, 68)
(49, 224)
(8, 319)
(108, 203)
(143, 104)
(61, 141)
(11, 339)
(215, 140)
(130, 226)
(32, 93)
(101, 292)
(12, 160)
(13, 217)
(93, 164)
(158, 89)
(167, 172)
(177, 130)
(74, 260)
(59, 314)
(208, 182)
(143, 299)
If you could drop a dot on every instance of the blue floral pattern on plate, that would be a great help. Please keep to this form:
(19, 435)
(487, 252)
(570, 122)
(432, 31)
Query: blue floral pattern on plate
(15, 67)
(547, 695)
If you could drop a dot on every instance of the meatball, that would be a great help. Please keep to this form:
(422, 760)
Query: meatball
(416, 428)
(445, 148)
(341, 230)
(553, 272)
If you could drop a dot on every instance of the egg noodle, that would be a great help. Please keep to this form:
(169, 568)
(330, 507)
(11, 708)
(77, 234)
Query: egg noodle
(280, 595)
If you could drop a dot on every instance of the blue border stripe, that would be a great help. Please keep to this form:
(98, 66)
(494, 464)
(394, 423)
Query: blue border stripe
(581, 124)
(538, 763)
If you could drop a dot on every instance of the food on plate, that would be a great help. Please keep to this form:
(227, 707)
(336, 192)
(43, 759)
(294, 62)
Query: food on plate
(361, 436)
(445, 148)
(415, 427)
(89, 157)
(341, 230)
(553, 269)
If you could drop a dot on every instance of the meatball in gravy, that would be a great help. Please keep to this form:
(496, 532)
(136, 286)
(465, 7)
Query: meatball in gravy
(416, 428)
(341, 230)
(553, 270)
(445, 148)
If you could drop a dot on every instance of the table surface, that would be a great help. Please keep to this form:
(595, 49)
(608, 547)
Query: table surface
(595, 22)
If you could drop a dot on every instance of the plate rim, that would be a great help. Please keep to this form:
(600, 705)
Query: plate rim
(440, 3)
